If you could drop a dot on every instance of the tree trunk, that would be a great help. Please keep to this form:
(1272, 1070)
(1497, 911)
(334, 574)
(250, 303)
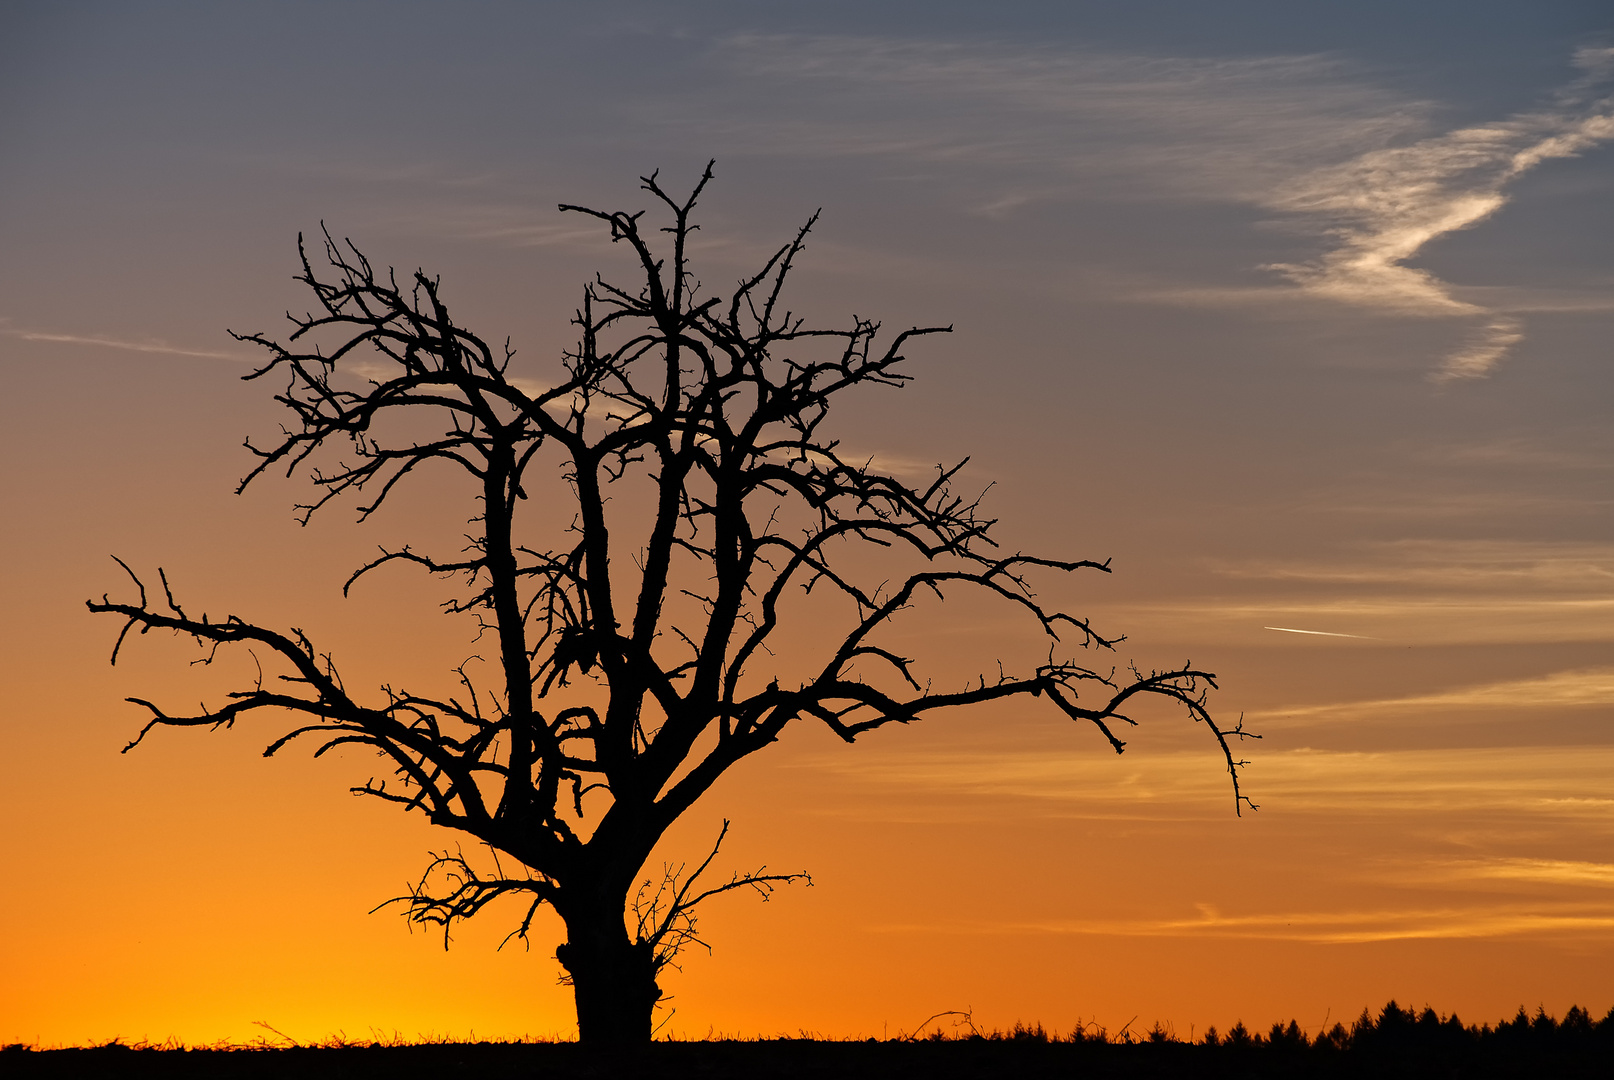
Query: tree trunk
(613, 980)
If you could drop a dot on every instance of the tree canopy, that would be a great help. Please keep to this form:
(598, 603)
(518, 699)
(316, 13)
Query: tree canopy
(631, 607)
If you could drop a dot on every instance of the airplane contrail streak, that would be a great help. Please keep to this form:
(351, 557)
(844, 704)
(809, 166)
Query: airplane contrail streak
(1319, 633)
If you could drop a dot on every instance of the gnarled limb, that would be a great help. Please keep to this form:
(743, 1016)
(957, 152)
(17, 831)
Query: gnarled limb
(629, 654)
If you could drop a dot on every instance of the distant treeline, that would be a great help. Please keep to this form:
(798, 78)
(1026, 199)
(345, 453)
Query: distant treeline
(1396, 1043)
(1394, 1030)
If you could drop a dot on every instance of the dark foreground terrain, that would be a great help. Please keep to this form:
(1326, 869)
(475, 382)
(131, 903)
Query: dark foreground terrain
(1396, 1043)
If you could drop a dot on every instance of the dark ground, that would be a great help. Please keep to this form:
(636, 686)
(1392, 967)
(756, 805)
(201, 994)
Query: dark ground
(789, 1060)
(1396, 1043)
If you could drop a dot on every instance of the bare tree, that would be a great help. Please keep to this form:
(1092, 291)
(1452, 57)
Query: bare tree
(685, 430)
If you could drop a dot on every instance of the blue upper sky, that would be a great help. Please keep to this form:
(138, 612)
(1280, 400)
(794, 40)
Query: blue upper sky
(1362, 232)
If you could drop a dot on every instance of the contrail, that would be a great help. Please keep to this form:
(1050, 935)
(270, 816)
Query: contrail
(132, 346)
(1319, 633)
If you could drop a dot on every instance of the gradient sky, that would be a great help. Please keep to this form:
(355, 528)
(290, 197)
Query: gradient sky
(1300, 312)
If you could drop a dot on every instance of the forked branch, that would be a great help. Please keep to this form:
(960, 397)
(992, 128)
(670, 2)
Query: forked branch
(666, 914)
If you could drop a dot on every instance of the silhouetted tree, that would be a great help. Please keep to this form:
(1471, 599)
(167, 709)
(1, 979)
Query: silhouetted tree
(633, 661)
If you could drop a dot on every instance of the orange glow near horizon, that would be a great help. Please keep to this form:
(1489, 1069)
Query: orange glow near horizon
(1006, 863)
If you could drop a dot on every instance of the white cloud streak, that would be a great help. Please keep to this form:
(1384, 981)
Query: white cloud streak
(1327, 927)
(1546, 783)
(1530, 871)
(1298, 136)
(1562, 689)
(1383, 207)
(1314, 633)
(1494, 566)
(148, 346)
(1221, 129)
(1409, 592)
(1399, 619)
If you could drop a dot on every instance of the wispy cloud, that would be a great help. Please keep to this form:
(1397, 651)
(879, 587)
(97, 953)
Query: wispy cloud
(1410, 566)
(1207, 129)
(1553, 782)
(1314, 633)
(1325, 927)
(1303, 137)
(1530, 871)
(1383, 207)
(1519, 453)
(1562, 689)
(1409, 592)
(1401, 619)
(150, 345)
(504, 224)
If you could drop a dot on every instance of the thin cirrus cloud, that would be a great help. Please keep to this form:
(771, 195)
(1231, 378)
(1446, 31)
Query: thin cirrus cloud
(1561, 689)
(1357, 927)
(1351, 165)
(1543, 783)
(1207, 129)
(1561, 918)
(1472, 566)
(148, 346)
(1383, 207)
(1520, 793)
(1403, 620)
(1314, 633)
(1536, 871)
(1405, 592)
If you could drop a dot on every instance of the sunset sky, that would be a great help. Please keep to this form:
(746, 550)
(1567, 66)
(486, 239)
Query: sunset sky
(1301, 313)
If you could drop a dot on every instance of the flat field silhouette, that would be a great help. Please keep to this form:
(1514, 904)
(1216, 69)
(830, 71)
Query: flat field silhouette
(1396, 1043)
